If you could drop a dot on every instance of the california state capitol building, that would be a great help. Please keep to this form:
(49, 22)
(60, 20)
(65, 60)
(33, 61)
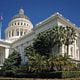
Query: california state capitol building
(20, 34)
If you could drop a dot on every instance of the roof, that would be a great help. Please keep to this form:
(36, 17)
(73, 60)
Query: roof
(20, 15)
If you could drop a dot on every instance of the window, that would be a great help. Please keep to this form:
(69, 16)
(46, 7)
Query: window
(24, 32)
(77, 53)
(15, 23)
(21, 23)
(9, 34)
(17, 33)
(12, 33)
(71, 50)
(27, 24)
(18, 23)
(21, 33)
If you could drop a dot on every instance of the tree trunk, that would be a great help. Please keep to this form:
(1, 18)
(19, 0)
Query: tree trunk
(67, 49)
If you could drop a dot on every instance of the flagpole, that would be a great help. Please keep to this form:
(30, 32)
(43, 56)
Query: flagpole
(0, 28)
(1, 18)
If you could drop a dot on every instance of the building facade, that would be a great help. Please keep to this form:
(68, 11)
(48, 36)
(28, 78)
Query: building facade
(20, 34)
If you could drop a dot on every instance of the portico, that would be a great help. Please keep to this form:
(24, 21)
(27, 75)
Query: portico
(4, 51)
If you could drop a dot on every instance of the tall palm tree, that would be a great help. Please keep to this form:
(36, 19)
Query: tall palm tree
(70, 37)
(59, 36)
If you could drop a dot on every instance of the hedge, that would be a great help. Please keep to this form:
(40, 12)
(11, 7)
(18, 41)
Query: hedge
(55, 74)
(70, 74)
(37, 79)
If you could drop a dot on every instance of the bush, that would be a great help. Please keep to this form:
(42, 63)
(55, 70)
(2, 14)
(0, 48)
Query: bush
(55, 74)
(70, 74)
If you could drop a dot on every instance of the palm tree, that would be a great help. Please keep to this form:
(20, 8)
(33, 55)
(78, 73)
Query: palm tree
(70, 37)
(59, 36)
(60, 63)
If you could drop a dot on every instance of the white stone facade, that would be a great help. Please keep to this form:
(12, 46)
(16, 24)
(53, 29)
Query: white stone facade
(20, 34)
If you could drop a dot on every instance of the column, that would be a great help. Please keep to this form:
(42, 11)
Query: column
(8, 34)
(75, 49)
(21, 51)
(3, 55)
(15, 32)
(11, 33)
(6, 52)
(19, 31)
(23, 31)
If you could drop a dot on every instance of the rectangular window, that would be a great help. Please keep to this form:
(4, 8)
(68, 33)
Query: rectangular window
(12, 33)
(71, 50)
(17, 33)
(21, 33)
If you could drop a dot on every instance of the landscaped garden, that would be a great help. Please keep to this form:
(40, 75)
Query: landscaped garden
(44, 59)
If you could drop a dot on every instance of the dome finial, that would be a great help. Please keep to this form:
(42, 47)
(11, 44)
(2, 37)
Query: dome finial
(21, 11)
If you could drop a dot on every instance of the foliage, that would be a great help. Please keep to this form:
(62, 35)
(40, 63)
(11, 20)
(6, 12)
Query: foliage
(70, 36)
(60, 63)
(55, 62)
(41, 58)
(46, 41)
(14, 59)
(11, 63)
(58, 35)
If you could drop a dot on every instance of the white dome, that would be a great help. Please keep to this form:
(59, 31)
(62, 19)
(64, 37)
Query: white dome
(18, 26)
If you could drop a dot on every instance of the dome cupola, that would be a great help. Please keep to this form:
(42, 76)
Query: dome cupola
(18, 26)
(20, 15)
(21, 11)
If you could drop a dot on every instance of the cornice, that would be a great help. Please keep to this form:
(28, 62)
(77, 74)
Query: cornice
(5, 42)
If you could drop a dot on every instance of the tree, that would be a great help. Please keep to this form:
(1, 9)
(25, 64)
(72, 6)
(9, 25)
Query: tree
(42, 44)
(36, 62)
(14, 59)
(60, 63)
(58, 34)
(47, 40)
(12, 63)
(70, 36)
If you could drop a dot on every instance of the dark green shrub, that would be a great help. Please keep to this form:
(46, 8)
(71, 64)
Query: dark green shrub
(70, 74)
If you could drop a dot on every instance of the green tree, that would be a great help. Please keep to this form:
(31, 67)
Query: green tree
(60, 63)
(47, 40)
(59, 36)
(14, 59)
(70, 36)
(12, 63)
(36, 62)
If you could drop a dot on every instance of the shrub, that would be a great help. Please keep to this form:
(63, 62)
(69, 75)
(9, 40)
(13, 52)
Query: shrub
(70, 74)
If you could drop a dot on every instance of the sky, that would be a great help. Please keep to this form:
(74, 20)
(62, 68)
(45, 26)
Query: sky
(38, 10)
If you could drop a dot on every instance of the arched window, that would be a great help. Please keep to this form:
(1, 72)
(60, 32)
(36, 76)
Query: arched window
(21, 33)
(27, 24)
(17, 33)
(18, 23)
(12, 32)
(9, 34)
(15, 23)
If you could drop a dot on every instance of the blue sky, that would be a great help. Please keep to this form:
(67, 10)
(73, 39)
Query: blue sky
(38, 10)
